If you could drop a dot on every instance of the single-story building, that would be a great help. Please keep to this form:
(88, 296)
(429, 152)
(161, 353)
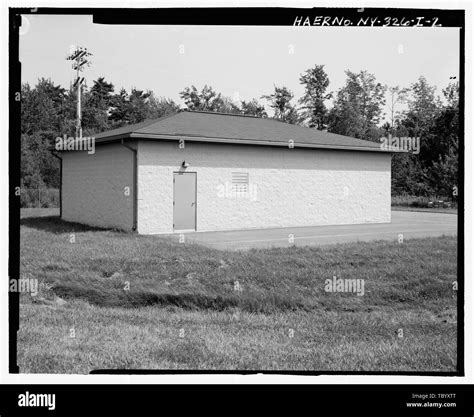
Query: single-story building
(202, 171)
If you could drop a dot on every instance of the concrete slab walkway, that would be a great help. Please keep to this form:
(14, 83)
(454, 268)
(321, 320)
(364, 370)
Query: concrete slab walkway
(410, 224)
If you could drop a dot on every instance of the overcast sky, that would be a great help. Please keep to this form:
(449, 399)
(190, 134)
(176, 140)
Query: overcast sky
(240, 62)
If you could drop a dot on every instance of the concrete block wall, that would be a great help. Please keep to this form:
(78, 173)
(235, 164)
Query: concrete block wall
(294, 187)
(94, 187)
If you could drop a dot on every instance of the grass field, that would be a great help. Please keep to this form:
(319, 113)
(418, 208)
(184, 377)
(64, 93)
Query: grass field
(145, 302)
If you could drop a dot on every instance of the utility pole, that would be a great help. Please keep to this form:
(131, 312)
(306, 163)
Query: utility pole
(79, 57)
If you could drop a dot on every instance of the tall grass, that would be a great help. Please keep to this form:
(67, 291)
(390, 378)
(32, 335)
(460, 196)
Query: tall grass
(182, 308)
(111, 269)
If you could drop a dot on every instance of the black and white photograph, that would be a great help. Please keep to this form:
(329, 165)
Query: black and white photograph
(245, 197)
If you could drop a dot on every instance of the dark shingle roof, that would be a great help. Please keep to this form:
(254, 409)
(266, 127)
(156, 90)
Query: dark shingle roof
(234, 128)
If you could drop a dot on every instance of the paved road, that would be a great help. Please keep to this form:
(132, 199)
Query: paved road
(410, 224)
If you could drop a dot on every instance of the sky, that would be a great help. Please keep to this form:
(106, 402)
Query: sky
(242, 62)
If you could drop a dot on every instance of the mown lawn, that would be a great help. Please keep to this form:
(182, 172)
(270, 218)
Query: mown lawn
(145, 302)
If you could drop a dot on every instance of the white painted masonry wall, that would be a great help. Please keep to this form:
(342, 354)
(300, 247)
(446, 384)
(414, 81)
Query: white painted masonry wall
(93, 187)
(294, 187)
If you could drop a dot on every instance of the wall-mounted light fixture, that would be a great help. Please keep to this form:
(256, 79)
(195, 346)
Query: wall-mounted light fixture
(185, 164)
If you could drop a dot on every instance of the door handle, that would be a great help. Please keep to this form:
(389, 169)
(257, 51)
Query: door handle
(192, 204)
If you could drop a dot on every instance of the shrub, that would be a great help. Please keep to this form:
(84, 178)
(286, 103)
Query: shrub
(39, 198)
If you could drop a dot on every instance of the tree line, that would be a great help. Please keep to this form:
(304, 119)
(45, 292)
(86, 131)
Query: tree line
(357, 109)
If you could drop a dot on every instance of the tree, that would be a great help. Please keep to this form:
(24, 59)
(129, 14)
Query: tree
(344, 118)
(451, 94)
(423, 110)
(97, 103)
(358, 106)
(129, 108)
(160, 106)
(208, 100)
(205, 100)
(226, 105)
(408, 176)
(253, 108)
(316, 83)
(118, 110)
(280, 102)
(443, 174)
(137, 107)
(397, 95)
(448, 120)
(42, 115)
(434, 171)
(41, 107)
(196, 100)
(101, 91)
(422, 107)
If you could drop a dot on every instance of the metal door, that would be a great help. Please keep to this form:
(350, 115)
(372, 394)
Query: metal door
(184, 202)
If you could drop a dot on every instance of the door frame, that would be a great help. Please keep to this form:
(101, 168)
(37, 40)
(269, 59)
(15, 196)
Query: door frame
(195, 204)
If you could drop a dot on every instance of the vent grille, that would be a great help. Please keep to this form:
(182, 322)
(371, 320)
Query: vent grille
(240, 181)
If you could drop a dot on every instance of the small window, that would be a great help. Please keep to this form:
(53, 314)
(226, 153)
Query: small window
(240, 182)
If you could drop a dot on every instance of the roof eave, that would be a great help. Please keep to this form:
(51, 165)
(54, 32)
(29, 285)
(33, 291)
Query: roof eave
(113, 138)
(147, 136)
(144, 136)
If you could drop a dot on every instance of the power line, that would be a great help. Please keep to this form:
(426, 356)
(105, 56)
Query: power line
(79, 57)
